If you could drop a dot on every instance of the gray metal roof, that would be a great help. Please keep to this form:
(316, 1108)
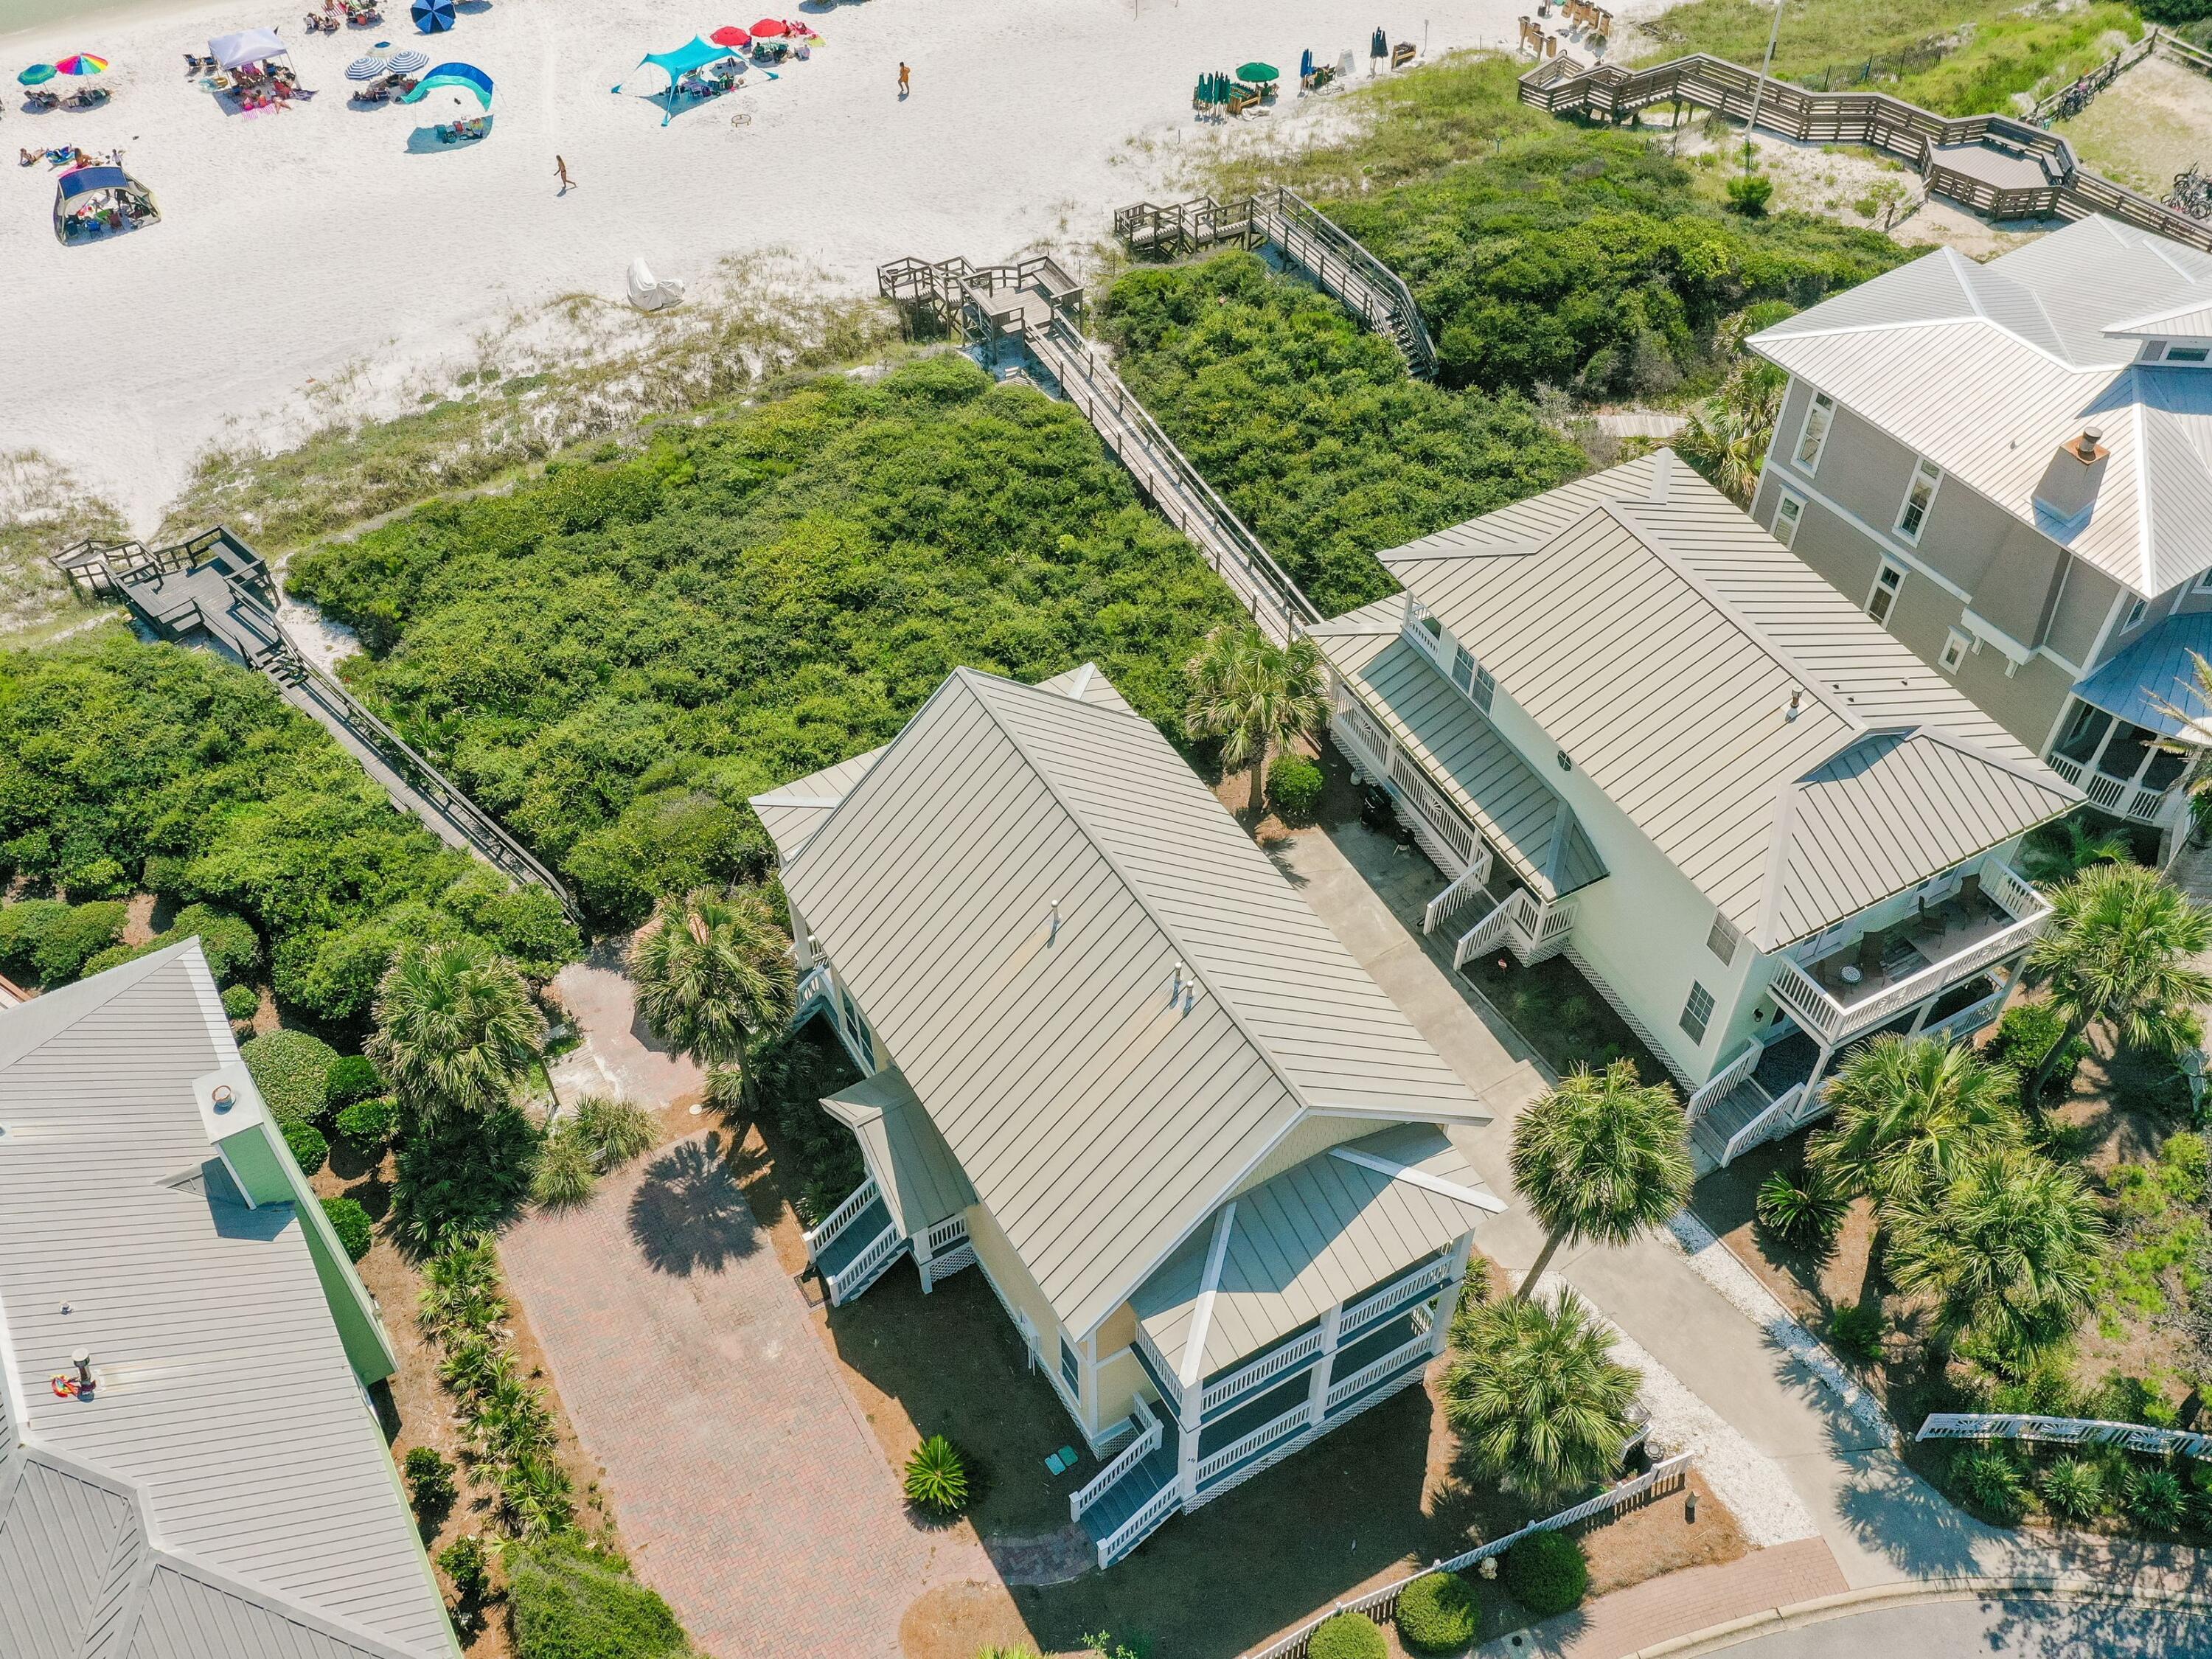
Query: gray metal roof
(1658, 636)
(1505, 798)
(228, 1434)
(1099, 1115)
(1320, 1233)
(1987, 369)
(922, 1182)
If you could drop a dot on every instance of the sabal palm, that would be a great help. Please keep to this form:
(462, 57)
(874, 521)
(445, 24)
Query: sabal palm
(455, 1030)
(2081, 845)
(1910, 1112)
(1256, 696)
(1537, 1396)
(711, 970)
(2120, 951)
(2012, 1246)
(1604, 1156)
(1730, 436)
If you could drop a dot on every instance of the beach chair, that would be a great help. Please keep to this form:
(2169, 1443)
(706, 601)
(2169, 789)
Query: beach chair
(1401, 54)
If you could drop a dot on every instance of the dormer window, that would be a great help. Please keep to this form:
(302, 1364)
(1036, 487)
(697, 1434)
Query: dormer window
(1812, 436)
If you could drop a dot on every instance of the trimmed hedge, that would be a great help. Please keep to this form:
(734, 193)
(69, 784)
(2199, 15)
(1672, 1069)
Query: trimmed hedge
(52, 942)
(1439, 1613)
(241, 1001)
(1347, 1635)
(1294, 786)
(352, 1078)
(228, 941)
(292, 1070)
(310, 1150)
(369, 1124)
(569, 1600)
(1546, 1573)
(350, 1221)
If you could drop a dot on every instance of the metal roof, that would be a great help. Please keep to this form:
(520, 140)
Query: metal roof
(1103, 1082)
(922, 1182)
(2158, 669)
(228, 1438)
(1320, 1233)
(1522, 818)
(1987, 369)
(1701, 675)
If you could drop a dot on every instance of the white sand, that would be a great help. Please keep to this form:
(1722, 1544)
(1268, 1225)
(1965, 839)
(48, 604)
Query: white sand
(296, 247)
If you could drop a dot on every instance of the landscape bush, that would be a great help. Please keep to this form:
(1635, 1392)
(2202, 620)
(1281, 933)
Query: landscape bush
(431, 1479)
(310, 1148)
(569, 1600)
(1856, 1330)
(240, 1002)
(616, 1131)
(2072, 1488)
(1805, 1212)
(1993, 1479)
(228, 941)
(937, 1477)
(1294, 786)
(1546, 1573)
(2154, 1498)
(369, 1124)
(568, 1170)
(351, 1078)
(1748, 193)
(2027, 1031)
(1346, 1636)
(462, 1175)
(292, 1070)
(613, 657)
(350, 1221)
(1438, 1613)
(48, 942)
(468, 1564)
(793, 1072)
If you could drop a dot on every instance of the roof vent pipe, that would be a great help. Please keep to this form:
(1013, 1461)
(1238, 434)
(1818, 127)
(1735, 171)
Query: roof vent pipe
(1174, 994)
(1053, 936)
(1796, 704)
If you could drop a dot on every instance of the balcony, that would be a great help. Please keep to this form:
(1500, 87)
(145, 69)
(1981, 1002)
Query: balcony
(1862, 982)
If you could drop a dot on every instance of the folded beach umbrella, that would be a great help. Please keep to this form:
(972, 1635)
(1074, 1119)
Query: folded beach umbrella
(1305, 63)
(36, 73)
(82, 62)
(731, 35)
(432, 16)
(405, 62)
(771, 27)
(369, 68)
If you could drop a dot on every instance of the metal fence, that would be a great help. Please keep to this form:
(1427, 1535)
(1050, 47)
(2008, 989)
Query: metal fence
(2065, 1431)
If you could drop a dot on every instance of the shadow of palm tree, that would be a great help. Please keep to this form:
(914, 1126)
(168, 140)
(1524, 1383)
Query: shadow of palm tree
(688, 1216)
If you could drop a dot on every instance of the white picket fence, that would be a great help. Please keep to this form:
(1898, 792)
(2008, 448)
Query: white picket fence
(2064, 1430)
(1380, 1604)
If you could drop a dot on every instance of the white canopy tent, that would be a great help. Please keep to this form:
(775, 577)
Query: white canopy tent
(247, 46)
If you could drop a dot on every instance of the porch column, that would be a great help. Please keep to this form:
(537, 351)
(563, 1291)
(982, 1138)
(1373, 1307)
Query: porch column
(1920, 1014)
(923, 1258)
(2012, 979)
(1187, 1415)
(1324, 1367)
(1448, 1297)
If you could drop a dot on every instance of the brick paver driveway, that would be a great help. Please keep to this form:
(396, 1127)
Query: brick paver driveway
(749, 1491)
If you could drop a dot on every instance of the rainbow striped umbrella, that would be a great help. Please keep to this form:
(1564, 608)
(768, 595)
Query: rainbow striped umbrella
(82, 63)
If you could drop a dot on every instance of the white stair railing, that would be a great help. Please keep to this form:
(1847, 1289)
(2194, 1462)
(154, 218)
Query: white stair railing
(1745, 1063)
(1460, 893)
(842, 1217)
(1133, 1531)
(1774, 1120)
(864, 1269)
(1146, 1442)
(1492, 929)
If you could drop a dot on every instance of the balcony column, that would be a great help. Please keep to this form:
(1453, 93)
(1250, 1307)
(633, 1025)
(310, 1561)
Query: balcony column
(1188, 1410)
(1447, 1297)
(2012, 980)
(1324, 1367)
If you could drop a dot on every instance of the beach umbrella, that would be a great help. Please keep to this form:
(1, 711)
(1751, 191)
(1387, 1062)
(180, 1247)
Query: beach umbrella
(406, 62)
(432, 16)
(36, 73)
(731, 35)
(367, 69)
(771, 27)
(1305, 63)
(1256, 72)
(82, 62)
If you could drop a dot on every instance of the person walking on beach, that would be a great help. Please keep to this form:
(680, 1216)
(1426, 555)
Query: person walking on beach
(561, 167)
(904, 86)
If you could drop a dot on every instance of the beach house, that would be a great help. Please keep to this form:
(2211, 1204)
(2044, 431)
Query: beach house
(189, 1463)
(1113, 1060)
(2007, 467)
(1630, 728)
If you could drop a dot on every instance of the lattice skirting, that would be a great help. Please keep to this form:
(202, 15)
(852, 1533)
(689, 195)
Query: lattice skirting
(942, 1267)
(1628, 1018)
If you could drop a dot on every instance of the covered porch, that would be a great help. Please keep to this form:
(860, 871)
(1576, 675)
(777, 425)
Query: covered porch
(2110, 745)
(916, 1199)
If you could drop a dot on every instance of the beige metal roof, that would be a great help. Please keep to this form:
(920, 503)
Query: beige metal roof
(796, 810)
(922, 1181)
(1505, 798)
(1987, 369)
(1102, 1083)
(1318, 1234)
(1659, 636)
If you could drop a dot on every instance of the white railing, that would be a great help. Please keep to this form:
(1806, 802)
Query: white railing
(1490, 930)
(1146, 1442)
(1392, 1296)
(816, 983)
(1418, 791)
(1380, 1604)
(945, 1234)
(861, 1270)
(1266, 1365)
(1460, 893)
(2013, 891)
(1290, 1422)
(1745, 1063)
(842, 1217)
(1367, 1376)
(1970, 1018)
(1554, 920)
(2065, 1430)
(1133, 1531)
(2116, 795)
(1778, 1119)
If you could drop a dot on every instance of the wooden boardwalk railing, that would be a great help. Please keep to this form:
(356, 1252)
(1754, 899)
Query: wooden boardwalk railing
(1874, 118)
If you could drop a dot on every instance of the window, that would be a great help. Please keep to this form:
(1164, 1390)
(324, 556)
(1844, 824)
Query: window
(1919, 494)
(2134, 615)
(1724, 940)
(1696, 1011)
(2204, 582)
(1787, 511)
(1812, 436)
(1071, 1369)
(1954, 651)
(2187, 354)
(1484, 684)
(1883, 599)
(1463, 668)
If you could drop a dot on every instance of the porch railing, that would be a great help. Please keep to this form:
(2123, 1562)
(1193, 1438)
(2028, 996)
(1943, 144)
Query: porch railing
(945, 1234)
(1462, 892)
(842, 1217)
(2065, 1430)
(1146, 1442)
(1492, 929)
(1391, 1298)
(863, 1269)
(1778, 1119)
(1368, 1375)
(1260, 1370)
(2117, 796)
(1745, 1063)
(1138, 1526)
(815, 985)
(1290, 1422)
(1971, 1018)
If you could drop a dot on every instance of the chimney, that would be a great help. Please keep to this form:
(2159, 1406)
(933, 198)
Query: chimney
(2069, 489)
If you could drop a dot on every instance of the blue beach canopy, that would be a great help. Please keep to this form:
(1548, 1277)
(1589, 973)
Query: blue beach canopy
(432, 16)
(76, 184)
(680, 62)
(451, 74)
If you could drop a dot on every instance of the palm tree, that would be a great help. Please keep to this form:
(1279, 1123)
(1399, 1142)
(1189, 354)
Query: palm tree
(2194, 744)
(1911, 1112)
(712, 970)
(1256, 696)
(1535, 1396)
(2078, 845)
(455, 1030)
(2120, 951)
(2011, 1245)
(1727, 438)
(1603, 1156)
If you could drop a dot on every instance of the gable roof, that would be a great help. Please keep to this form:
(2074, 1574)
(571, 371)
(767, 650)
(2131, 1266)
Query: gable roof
(1987, 369)
(1097, 1112)
(228, 1489)
(1660, 637)
(922, 1182)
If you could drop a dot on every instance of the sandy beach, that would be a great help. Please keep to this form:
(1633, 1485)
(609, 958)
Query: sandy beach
(308, 245)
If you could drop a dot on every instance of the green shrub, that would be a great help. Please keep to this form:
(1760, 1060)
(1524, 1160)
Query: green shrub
(468, 1564)
(114, 957)
(228, 941)
(1294, 786)
(937, 1477)
(351, 1078)
(1805, 1213)
(2072, 1488)
(430, 1478)
(568, 1600)
(310, 1150)
(241, 1002)
(1346, 1636)
(1749, 194)
(1856, 1330)
(460, 1293)
(1993, 1479)
(461, 1177)
(567, 1170)
(1439, 1613)
(369, 1124)
(23, 925)
(51, 942)
(350, 1221)
(2027, 1032)
(1546, 1573)
(292, 1070)
(615, 1130)
(2154, 1498)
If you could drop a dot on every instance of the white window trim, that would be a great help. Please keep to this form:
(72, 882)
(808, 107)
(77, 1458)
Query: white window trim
(1786, 500)
(1956, 644)
(1934, 473)
(2133, 620)
(1895, 594)
(1810, 465)
(2204, 583)
(1704, 1020)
